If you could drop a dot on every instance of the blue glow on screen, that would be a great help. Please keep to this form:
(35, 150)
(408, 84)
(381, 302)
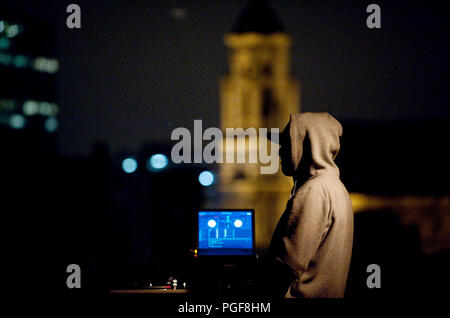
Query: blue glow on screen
(222, 229)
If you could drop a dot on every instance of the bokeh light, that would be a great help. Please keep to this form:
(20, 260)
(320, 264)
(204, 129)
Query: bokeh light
(206, 178)
(51, 124)
(17, 121)
(157, 162)
(129, 165)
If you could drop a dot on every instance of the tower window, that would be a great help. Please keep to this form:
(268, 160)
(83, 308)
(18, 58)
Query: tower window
(239, 175)
(267, 70)
(268, 105)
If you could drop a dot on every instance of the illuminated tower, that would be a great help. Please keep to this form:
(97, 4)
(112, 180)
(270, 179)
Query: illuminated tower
(258, 91)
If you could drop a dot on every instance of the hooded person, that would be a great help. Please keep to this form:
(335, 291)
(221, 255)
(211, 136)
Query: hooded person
(311, 247)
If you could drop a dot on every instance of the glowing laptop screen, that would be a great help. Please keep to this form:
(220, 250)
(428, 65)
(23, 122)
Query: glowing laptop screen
(225, 230)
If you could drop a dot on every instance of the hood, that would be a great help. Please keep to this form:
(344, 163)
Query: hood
(315, 137)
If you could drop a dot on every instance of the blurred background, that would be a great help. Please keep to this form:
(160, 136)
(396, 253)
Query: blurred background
(86, 117)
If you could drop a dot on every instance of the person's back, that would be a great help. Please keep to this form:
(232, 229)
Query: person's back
(313, 240)
(326, 273)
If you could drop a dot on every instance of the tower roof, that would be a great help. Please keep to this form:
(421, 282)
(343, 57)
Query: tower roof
(258, 16)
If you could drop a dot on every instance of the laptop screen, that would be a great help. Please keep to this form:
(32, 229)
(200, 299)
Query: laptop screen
(226, 231)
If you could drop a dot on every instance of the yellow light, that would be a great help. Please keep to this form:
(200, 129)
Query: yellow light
(367, 202)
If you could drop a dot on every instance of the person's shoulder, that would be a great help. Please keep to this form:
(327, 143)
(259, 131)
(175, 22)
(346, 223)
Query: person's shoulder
(312, 186)
(321, 184)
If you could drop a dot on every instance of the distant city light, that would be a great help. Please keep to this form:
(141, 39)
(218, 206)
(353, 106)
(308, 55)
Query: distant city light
(5, 59)
(7, 104)
(212, 223)
(51, 124)
(44, 64)
(179, 13)
(12, 30)
(20, 61)
(54, 110)
(17, 121)
(30, 107)
(40, 64)
(4, 43)
(129, 165)
(45, 109)
(206, 178)
(158, 162)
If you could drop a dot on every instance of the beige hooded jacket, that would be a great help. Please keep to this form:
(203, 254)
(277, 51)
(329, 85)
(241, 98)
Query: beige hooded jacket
(313, 239)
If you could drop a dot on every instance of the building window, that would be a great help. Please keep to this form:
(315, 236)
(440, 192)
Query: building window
(268, 104)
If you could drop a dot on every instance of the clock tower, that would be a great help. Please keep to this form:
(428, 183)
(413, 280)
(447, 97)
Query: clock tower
(258, 91)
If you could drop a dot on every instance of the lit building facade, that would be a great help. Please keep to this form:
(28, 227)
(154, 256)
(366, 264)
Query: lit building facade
(259, 91)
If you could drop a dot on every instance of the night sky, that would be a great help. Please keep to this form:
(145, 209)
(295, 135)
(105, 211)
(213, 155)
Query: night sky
(134, 71)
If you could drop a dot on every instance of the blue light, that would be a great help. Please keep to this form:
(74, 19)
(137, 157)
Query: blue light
(158, 162)
(129, 165)
(206, 178)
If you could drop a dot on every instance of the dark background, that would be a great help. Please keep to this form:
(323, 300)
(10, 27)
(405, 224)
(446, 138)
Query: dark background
(134, 72)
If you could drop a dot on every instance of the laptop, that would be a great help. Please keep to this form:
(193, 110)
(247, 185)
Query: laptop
(226, 232)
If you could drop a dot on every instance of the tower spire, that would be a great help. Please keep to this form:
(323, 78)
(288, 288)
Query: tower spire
(258, 17)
